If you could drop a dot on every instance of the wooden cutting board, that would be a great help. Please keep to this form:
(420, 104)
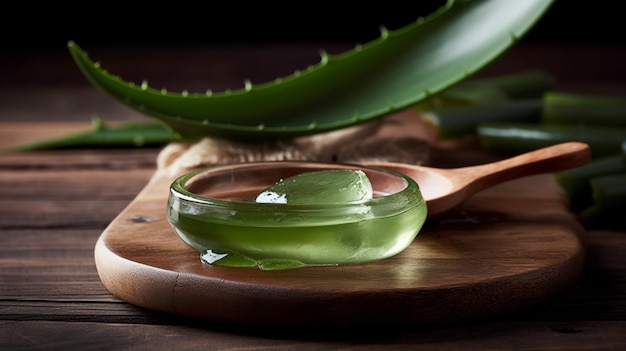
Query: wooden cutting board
(508, 248)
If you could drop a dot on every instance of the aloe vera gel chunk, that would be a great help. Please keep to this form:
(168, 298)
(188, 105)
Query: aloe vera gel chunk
(334, 186)
(313, 215)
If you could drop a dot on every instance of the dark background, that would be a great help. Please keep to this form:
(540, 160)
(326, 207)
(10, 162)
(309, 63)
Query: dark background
(30, 27)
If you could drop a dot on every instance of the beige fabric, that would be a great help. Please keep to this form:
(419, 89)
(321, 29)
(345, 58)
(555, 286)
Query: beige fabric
(401, 137)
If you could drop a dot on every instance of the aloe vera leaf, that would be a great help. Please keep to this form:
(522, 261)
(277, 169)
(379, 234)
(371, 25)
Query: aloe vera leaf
(525, 85)
(516, 97)
(532, 84)
(576, 182)
(460, 121)
(609, 200)
(586, 109)
(135, 134)
(397, 70)
(597, 191)
(518, 137)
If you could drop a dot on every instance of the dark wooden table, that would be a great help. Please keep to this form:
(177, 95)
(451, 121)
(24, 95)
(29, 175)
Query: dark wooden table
(55, 204)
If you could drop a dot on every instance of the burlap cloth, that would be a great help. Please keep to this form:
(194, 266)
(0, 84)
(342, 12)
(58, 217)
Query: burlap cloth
(400, 137)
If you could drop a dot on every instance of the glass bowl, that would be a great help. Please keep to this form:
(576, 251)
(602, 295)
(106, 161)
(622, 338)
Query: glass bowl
(214, 211)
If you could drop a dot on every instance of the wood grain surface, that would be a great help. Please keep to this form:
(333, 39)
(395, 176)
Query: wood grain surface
(512, 247)
(55, 205)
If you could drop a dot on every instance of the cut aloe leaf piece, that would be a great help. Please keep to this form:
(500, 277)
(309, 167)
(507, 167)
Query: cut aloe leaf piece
(585, 109)
(609, 199)
(460, 121)
(577, 181)
(517, 137)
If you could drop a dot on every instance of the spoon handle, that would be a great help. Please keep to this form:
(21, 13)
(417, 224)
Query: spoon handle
(545, 160)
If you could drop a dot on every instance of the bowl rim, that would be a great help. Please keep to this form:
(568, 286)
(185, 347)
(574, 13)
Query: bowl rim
(180, 192)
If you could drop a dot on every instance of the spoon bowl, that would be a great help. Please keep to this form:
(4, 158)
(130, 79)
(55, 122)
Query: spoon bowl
(443, 189)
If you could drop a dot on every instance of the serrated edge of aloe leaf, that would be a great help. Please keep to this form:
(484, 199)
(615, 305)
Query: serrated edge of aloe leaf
(93, 69)
(248, 112)
(83, 60)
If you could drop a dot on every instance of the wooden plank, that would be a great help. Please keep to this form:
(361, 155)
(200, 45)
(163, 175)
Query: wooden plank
(554, 335)
(69, 198)
(72, 184)
(50, 265)
(45, 272)
(80, 158)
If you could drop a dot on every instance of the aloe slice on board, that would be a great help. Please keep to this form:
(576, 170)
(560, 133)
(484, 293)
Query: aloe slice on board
(397, 70)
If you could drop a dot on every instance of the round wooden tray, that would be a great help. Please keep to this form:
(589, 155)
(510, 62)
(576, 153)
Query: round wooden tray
(508, 248)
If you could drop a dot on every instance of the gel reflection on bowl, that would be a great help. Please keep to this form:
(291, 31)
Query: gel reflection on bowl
(214, 211)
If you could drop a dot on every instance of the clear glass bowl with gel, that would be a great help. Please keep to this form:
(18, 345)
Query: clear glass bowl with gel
(244, 215)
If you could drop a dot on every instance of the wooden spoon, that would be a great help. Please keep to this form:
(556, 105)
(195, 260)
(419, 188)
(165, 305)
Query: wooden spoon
(445, 188)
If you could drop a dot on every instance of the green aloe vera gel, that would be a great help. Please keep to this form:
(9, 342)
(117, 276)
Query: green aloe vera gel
(278, 215)
(333, 186)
